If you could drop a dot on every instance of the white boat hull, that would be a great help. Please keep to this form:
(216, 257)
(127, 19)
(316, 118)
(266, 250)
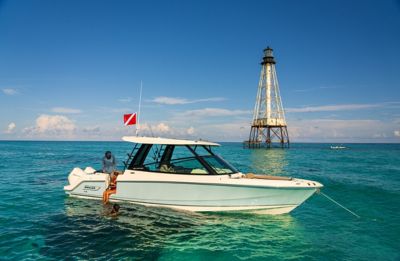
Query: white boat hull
(198, 193)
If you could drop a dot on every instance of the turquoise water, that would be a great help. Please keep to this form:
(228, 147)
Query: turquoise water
(37, 221)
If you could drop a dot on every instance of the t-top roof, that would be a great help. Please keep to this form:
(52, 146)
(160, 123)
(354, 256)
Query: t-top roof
(164, 141)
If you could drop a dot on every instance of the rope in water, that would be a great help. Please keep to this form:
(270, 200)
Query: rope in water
(340, 205)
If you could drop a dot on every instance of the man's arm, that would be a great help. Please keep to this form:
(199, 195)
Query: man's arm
(104, 165)
(114, 163)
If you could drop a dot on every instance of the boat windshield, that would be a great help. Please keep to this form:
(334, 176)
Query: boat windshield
(181, 159)
(219, 165)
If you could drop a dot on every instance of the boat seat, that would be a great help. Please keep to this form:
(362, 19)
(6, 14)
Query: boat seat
(199, 171)
(167, 169)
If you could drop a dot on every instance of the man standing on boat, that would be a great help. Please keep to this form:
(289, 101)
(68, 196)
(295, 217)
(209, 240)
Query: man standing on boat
(109, 163)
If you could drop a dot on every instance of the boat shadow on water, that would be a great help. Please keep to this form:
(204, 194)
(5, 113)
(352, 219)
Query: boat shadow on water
(88, 231)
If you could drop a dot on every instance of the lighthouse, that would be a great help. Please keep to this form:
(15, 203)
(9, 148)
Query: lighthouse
(268, 126)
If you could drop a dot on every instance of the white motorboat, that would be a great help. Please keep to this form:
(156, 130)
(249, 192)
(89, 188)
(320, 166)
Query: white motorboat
(338, 147)
(188, 175)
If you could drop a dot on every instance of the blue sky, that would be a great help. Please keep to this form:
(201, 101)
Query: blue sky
(70, 69)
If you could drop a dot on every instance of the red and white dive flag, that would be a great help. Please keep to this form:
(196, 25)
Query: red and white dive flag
(130, 119)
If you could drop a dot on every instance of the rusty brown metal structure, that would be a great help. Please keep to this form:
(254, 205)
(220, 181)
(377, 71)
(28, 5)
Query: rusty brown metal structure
(269, 124)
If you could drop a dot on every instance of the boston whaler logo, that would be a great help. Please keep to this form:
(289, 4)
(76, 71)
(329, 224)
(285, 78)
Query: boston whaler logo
(92, 188)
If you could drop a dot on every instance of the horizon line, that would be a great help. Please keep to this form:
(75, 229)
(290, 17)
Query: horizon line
(295, 142)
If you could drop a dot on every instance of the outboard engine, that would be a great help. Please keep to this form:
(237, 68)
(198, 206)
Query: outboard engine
(74, 178)
(89, 175)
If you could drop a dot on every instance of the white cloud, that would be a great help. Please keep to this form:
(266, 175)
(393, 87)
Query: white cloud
(91, 130)
(46, 123)
(213, 112)
(379, 135)
(162, 127)
(65, 110)
(51, 125)
(10, 128)
(396, 133)
(156, 129)
(190, 131)
(340, 107)
(169, 100)
(313, 130)
(10, 91)
(177, 100)
(339, 130)
(231, 131)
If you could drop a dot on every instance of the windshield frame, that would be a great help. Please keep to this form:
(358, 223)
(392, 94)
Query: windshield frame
(144, 153)
(218, 158)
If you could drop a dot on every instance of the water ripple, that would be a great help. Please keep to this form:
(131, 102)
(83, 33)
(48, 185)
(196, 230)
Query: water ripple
(38, 222)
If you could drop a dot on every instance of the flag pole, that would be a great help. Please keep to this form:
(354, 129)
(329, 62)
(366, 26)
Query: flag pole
(140, 102)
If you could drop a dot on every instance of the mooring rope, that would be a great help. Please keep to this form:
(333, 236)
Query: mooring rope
(340, 205)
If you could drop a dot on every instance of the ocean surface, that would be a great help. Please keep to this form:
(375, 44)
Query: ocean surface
(38, 222)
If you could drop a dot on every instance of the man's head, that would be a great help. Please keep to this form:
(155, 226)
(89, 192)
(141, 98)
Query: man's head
(108, 154)
(116, 207)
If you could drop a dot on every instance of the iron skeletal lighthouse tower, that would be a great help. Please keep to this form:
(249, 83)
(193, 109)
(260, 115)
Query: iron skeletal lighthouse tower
(269, 124)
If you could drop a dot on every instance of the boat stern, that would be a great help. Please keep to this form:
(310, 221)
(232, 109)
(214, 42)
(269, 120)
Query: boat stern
(74, 178)
(86, 182)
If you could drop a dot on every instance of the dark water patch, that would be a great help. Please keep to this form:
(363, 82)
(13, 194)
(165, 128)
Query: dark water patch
(137, 232)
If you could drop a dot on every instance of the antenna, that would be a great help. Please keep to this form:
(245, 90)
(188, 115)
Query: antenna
(140, 103)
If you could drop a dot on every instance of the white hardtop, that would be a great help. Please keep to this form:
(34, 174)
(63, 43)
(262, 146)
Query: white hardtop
(165, 141)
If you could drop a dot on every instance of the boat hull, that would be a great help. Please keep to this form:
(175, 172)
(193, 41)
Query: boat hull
(211, 197)
(208, 196)
(261, 210)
